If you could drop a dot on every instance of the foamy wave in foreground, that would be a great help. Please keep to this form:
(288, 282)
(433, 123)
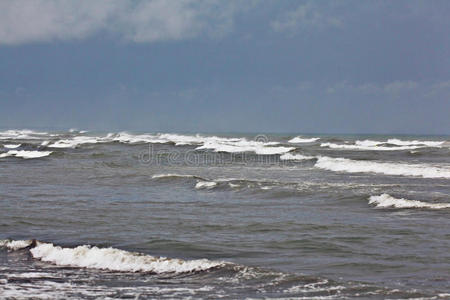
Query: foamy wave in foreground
(386, 200)
(26, 154)
(359, 166)
(112, 259)
(299, 139)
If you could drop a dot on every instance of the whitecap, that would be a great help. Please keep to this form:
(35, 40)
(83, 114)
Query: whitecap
(260, 148)
(112, 259)
(205, 184)
(26, 154)
(299, 139)
(415, 142)
(290, 156)
(386, 200)
(388, 168)
(367, 145)
(169, 175)
(12, 146)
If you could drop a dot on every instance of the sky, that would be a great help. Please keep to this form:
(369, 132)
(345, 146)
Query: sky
(226, 66)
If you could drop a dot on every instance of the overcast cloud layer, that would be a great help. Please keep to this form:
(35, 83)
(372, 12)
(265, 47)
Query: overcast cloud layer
(207, 65)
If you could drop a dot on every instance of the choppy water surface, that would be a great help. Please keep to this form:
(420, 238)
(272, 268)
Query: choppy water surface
(126, 215)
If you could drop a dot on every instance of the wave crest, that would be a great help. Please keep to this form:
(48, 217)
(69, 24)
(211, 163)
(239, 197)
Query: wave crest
(112, 259)
(386, 200)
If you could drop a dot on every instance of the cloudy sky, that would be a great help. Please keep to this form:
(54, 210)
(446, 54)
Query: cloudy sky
(226, 66)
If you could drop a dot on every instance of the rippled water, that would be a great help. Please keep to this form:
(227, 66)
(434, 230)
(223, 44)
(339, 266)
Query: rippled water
(231, 216)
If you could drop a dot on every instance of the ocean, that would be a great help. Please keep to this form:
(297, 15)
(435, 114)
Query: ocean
(234, 216)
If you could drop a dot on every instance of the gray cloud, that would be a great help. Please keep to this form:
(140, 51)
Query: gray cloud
(24, 21)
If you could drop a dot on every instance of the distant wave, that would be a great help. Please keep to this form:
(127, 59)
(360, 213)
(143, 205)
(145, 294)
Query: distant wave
(173, 175)
(415, 142)
(218, 144)
(25, 154)
(24, 134)
(291, 156)
(386, 200)
(112, 259)
(299, 139)
(366, 146)
(388, 168)
(389, 145)
(243, 145)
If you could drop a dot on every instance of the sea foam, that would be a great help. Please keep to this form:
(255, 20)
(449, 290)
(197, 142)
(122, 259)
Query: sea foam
(386, 200)
(388, 168)
(299, 139)
(112, 259)
(291, 156)
(26, 154)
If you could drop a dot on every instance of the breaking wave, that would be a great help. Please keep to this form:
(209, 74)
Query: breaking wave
(388, 168)
(386, 200)
(25, 154)
(363, 145)
(389, 145)
(416, 142)
(290, 156)
(112, 259)
(299, 139)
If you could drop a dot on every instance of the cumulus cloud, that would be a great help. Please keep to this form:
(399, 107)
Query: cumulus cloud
(24, 21)
(305, 16)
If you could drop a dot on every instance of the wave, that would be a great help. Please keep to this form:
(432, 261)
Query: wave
(12, 146)
(173, 175)
(290, 156)
(389, 145)
(218, 144)
(205, 184)
(112, 259)
(386, 200)
(75, 142)
(25, 154)
(415, 142)
(367, 145)
(243, 145)
(299, 139)
(24, 134)
(388, 168)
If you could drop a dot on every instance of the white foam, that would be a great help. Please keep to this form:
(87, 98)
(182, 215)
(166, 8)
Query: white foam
(110, 258)
(15, 245)
(367, 145)
(26, 154)
(205, 184)
(386, 200)
(12, 146)
(290, 156)
(172, 175)
(388, 168)
(416, 142)
(243, 145)
(76, 141)
(299, 139)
